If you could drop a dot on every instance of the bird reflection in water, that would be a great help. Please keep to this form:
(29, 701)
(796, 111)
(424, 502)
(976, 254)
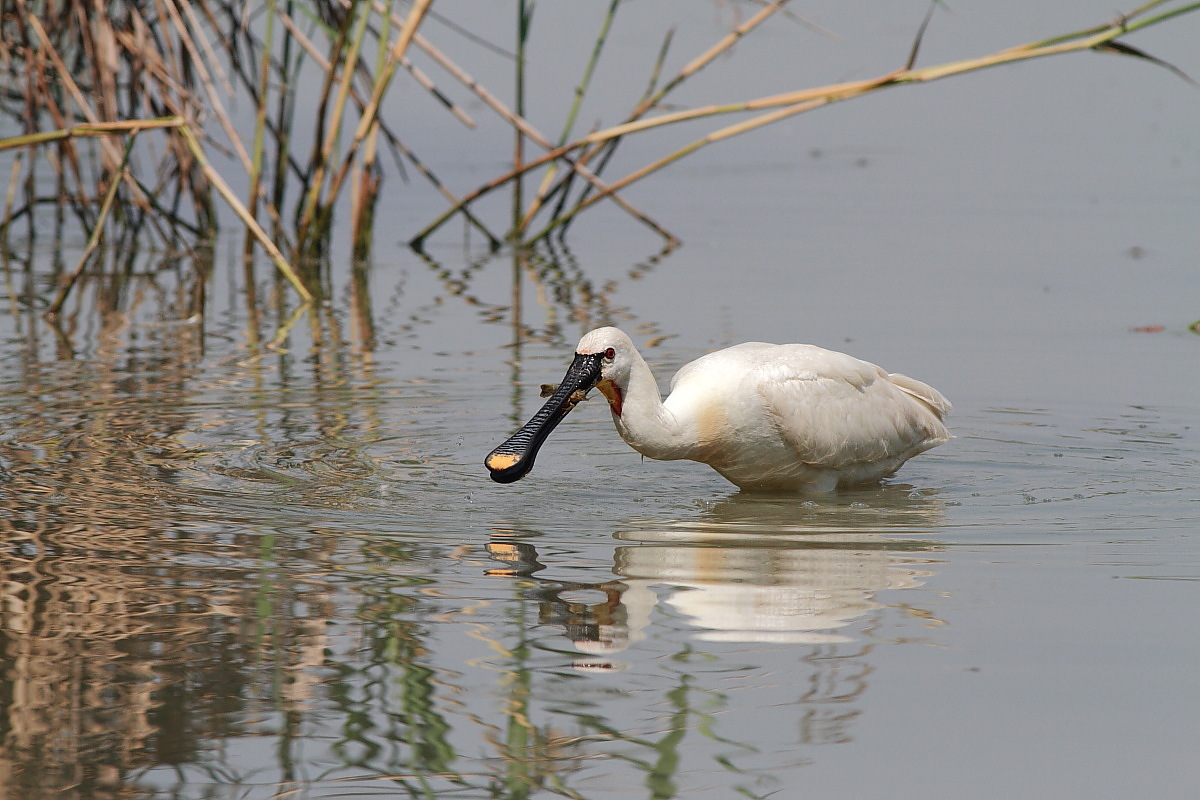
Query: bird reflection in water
(754, 570)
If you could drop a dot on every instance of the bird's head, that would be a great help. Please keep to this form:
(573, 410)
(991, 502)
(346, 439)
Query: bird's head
(603, 359)
(617, 355)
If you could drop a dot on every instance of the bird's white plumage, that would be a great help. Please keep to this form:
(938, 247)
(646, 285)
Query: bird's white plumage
(773, 417)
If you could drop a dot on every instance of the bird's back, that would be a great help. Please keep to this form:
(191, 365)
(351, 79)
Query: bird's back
(800, 416)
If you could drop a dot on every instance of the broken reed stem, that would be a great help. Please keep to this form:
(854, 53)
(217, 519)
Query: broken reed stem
(798, 102)
(552, 153)
(563, 189)
(418, 241)
(704, 59)
(197, 62)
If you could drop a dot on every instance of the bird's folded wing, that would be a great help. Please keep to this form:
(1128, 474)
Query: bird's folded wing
(852, 414)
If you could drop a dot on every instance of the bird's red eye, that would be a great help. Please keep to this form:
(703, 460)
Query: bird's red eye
(610, 353)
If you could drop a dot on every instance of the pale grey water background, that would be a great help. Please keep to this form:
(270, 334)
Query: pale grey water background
(249, 577)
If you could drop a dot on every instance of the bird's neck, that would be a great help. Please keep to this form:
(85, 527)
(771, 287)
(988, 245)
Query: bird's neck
(644, 422)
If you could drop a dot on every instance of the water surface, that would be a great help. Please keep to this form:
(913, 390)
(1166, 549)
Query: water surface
(239, 572)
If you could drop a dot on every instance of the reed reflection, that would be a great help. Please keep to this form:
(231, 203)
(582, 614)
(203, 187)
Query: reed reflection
(154, 598)
(130, 642)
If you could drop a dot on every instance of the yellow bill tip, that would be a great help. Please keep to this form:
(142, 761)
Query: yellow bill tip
(499, 461)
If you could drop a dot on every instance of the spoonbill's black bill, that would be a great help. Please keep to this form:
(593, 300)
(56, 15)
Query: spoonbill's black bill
(768, 417)
(513, 459)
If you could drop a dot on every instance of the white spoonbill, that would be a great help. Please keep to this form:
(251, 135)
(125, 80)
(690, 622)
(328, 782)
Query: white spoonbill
(768, 417)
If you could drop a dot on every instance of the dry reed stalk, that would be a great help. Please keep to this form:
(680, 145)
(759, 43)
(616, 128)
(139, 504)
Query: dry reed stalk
(1090, 39)
(552, 154)
(578, 165)
(323, 64)
(206, 80)
(655, 166)
(112, 154)
(132, 128)
(10, 196)
(653, 97)
(498, 106)
(382, 81)
(260, 126)
(780, 106)
(369, 114)
(569, 123)
(708, 56)
(791, 103)
(83, 51)
(218, 183)
(426, 83)
(162, 60)
(417, 242)
(167, 57)
(89, 130)
(198, 55)
(329, 123)
(97, 233)
(563, 190)
(189, 43)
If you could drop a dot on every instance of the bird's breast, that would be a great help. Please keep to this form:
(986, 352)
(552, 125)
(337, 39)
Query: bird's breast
(712, 427)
